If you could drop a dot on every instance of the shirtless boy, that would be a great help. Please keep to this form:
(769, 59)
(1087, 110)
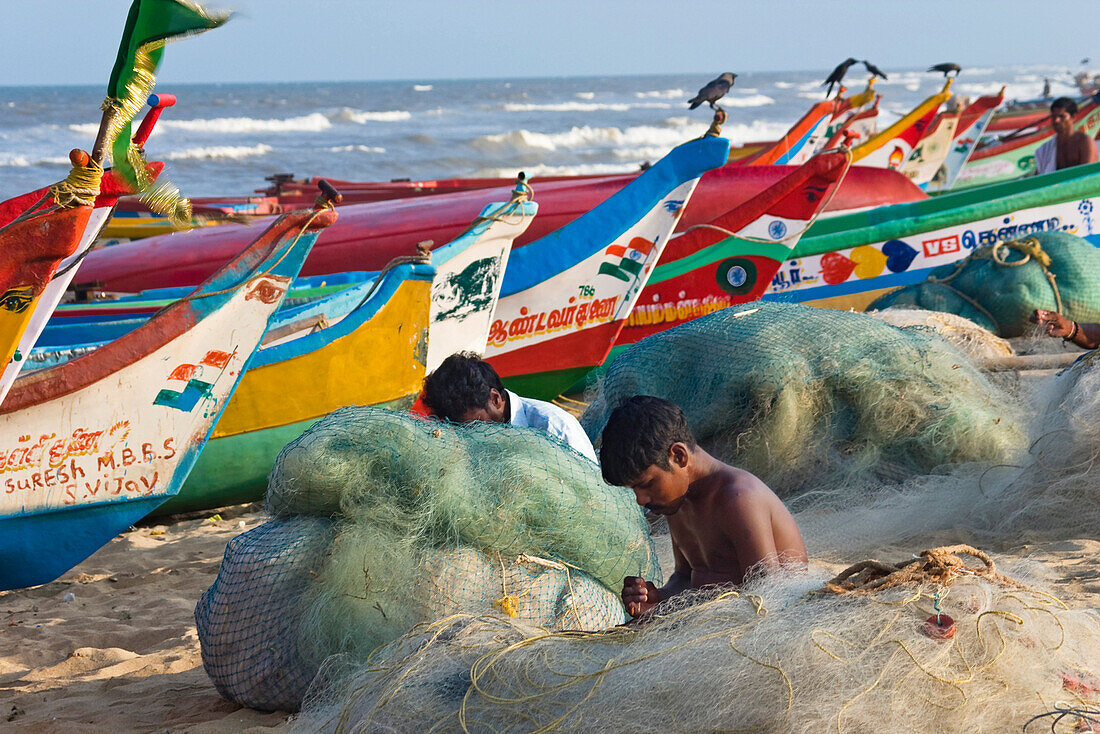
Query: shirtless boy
(724, 521)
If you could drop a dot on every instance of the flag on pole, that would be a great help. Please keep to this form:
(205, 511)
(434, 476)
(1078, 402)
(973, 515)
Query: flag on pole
(149, 26)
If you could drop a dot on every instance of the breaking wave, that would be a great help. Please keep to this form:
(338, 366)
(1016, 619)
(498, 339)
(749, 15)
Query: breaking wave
(583, 106)
(422, 87)
(586, 137)
(663, 94)
(221, 151)
(356, 148)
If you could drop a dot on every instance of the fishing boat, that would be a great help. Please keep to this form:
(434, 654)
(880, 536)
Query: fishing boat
(370, 235)
(845, 262)
(110, 188)
(91, 446)
(808, 135)
(733, 259)
(318, 365)
(932, 149)
(972, 125)
(1014, 156)
(567, 295)
(892, 147)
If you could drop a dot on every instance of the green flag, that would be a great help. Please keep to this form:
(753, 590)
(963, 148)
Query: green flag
(149, 26)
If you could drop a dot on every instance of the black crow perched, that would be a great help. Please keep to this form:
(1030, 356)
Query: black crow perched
(838, 74)
(1085, 60)
(874, 70)
(946, 68)
(713, 91)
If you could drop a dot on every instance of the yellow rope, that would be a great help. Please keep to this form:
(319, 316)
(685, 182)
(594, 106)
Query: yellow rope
(80, 187)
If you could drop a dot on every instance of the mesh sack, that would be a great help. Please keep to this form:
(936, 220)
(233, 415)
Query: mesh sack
(774, 656)
(805, 397)
(248, 621)
(418, 520)
(999, 286)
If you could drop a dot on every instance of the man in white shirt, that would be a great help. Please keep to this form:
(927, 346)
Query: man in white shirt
(466, 388)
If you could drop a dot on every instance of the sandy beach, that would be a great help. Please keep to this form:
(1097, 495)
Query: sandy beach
(122, 653)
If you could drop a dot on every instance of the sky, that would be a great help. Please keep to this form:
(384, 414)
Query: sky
(74, 41)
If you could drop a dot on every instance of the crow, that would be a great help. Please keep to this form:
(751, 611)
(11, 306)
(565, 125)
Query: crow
(946, 68)
(1085, 60)
(874, 70)
(713, 91)
(838, 74)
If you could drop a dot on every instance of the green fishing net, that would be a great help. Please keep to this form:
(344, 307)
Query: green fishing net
(383, 521)
(999, 286)
(809, 398)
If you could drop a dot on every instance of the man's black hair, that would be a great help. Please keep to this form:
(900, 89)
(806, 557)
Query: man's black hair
(461, 383)
(638, 435)
(1066, 104)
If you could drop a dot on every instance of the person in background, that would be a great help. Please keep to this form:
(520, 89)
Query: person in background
(726, 524)
(466, 388)
(1086, 336)
(1068, 147)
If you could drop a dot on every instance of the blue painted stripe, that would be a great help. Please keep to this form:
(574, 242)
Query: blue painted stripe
(595, 230)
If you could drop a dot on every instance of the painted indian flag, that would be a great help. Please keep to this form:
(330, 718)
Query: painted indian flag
(628, 260)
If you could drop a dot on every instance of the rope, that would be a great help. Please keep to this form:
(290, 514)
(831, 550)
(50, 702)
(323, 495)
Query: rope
(80, 187)
(941, 566)
(795, 235)
(1030, 248)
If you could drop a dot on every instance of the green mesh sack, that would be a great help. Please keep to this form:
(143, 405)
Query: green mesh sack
(419, 520)
(999, 286)
(810, 398)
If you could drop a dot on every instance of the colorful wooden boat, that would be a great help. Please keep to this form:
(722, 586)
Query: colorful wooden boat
(847, 261)
(893, 146)
(972, 124)
(567, 295)
(111, 187)
(932, 149)
(372, 356)
(370, 235)
(1012, 158)
(734, 258)
(91, 446)
(312, 361)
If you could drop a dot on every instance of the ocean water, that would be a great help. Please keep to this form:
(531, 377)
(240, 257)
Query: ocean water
(223, 139)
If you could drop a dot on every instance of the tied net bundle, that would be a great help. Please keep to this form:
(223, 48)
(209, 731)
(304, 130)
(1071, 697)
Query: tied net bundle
(383, 522)
(999, 286)
(813, 398)
(792, 653)
(973, 340)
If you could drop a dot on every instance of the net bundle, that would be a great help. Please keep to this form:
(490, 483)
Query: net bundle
(795, 652)
(813, 398)
(382, 522)
(999, 286)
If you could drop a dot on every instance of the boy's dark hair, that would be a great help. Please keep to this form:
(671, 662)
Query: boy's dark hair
(1066, 104)
(638, 435)
(461, 383)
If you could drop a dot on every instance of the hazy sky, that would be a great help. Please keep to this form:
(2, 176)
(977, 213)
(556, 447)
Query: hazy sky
(74, 41)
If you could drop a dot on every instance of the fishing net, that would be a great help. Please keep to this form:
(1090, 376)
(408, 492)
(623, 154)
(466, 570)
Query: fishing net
(1048, 493)
(789, 653)
(813, 398)
(384, 521)
(999, 286)
(974, 341)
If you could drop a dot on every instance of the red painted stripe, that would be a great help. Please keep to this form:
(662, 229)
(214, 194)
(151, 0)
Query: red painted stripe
(586, 348)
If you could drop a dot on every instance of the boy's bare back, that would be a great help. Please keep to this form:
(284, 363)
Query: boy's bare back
(729, 525)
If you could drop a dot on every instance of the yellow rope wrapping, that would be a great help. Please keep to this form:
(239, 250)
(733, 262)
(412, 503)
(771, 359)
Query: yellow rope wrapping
(80, 187)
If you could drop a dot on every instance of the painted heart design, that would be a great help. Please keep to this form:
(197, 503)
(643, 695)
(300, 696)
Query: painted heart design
(869, 261)
(899, 256)
(835, 268)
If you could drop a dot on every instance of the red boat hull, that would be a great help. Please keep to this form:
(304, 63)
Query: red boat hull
(367, 236)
